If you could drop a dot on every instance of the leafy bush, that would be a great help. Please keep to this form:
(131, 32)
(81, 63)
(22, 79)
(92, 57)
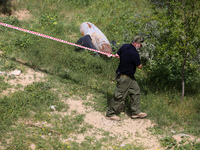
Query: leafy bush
(167, 74)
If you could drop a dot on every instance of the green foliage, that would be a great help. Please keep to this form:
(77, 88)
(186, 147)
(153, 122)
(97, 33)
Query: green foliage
(23, 42)
(168, 142)
(184, 144)
(127, 147)
(80, 3)
(72, 124)
(166, 74)
(11, 20)
(51, 23)
(159, 109)
(36, 97)
(176, 57)
(6, 65)
(3, 85)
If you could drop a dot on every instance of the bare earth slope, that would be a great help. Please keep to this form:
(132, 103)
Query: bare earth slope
(127, 131)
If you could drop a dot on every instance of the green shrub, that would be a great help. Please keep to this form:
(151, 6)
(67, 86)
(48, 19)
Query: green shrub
(167, 74)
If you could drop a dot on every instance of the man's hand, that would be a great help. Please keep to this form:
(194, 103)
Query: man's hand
(140, 66)
(117, 56)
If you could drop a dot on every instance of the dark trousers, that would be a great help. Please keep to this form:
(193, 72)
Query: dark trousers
(125, 86)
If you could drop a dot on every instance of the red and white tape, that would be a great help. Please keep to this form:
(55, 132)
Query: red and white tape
(56, 39)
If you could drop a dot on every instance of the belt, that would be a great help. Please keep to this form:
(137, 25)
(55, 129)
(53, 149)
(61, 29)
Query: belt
(124, 75)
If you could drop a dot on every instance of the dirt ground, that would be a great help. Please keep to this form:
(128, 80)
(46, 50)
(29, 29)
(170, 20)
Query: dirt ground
(127, 131)
(134, 131)
(21, 15)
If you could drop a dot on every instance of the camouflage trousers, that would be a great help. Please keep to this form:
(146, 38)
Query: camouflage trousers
(125, 86)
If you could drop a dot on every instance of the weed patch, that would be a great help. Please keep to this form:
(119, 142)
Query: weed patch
(184, 144)
(3, 85)
(36, 97)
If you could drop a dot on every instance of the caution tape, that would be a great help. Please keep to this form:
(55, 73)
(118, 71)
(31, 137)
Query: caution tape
(56, 39)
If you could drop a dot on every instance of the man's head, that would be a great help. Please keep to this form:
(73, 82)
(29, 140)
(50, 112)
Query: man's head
(138, 41)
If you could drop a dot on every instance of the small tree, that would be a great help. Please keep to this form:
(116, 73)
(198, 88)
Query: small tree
(179, 30)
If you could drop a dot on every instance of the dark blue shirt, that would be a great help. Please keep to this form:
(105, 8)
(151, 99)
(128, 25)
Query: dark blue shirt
(129, 60)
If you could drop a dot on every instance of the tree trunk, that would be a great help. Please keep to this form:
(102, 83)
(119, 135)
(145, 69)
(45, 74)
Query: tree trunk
(183, 88)
(183, 82)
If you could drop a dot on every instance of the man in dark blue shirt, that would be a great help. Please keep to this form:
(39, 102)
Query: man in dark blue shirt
(126, 83)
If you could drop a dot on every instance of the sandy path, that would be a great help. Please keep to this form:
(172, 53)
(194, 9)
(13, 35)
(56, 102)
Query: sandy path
(134, 130)
(127, 131)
